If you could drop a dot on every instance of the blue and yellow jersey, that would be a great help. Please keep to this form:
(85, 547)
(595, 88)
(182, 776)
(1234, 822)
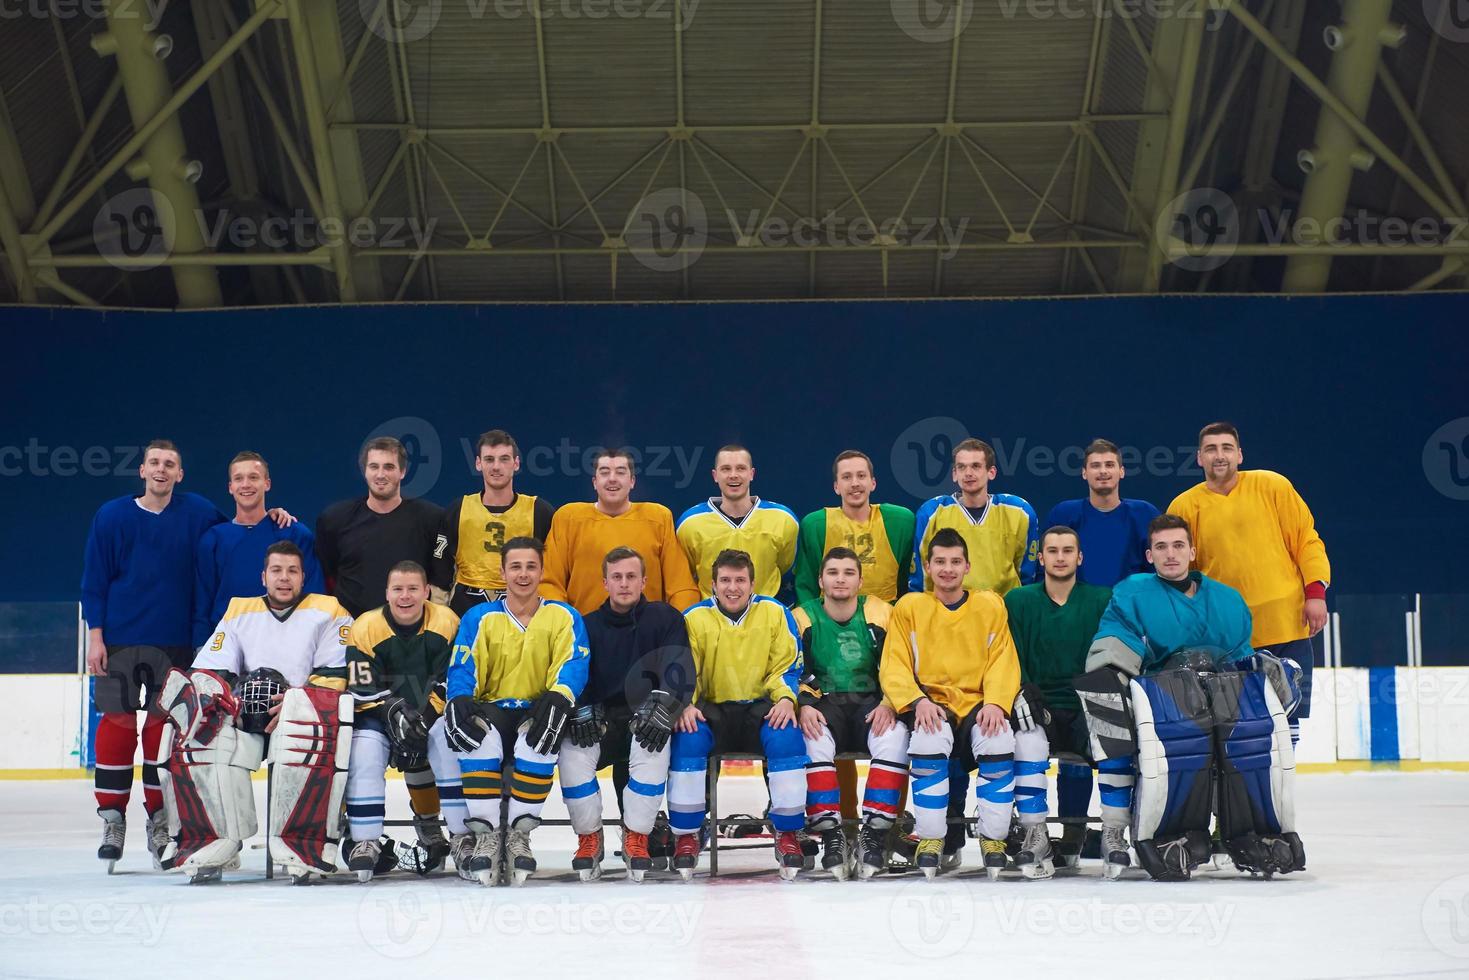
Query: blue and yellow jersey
(767, 534)
(499, 659)
(1003, 540)
(757, 655)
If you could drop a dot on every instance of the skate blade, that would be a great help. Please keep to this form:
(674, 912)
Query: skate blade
(788, 874)
(994, 873)
(111, 864)
(590, 874)
(636, 876)
(687, 874)
(517, 877)
(363, 876)
(1038, 871)
(300, 877)
(486, 878)
(841, 872)
(1113, 872)
(929, 873)
(866, 871)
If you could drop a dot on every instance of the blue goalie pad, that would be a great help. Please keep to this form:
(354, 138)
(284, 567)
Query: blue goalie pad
(1175, 753)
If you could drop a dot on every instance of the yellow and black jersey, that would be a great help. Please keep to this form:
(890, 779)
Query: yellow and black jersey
(472, 534)
(387, 660)
(755, 655)
(498, 658)
(307, 643)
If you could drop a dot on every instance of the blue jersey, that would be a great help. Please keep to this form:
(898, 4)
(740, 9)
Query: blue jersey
(138, 572)
(229, 562)
(1114, 543)
(1155, 620)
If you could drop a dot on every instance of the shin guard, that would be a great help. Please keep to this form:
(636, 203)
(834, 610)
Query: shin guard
(1175, 775)
(308, 778)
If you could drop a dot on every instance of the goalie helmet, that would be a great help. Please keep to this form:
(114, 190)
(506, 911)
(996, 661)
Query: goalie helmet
(255, 693)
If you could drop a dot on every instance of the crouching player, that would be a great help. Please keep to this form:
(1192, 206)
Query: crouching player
(640, 678)
(1174, 683)
(396, 660)
(949, 662)
(842, 708)
(1053, 623)
(518, 665)
(288, 653)
(747, 663)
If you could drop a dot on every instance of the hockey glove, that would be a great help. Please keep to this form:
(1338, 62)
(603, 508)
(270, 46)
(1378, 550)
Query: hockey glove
(1030, 709)
(588, 726)
(465, 725)
(653, 721)
(546, 721)
(408, 732)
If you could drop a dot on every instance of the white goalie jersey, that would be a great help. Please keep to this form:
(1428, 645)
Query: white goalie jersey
(306, 641)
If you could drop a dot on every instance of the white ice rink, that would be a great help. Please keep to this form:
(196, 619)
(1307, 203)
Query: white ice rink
(1387, 894)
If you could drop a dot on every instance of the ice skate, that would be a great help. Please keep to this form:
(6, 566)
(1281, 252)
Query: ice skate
(789, 854)
(994, 856)
(929, 855)
(519, 861)
(1114, 852)
(836, 856)
(485, 860)
(686, 854)
(635, 854)
(114, 833)
(1034, 857)
(587, 862)
(363, 860)
(872, 842)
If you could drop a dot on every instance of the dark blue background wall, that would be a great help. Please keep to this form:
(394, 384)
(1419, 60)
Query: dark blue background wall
(1348, 396)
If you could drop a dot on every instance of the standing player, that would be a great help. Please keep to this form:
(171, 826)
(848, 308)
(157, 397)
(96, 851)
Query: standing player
(359, 540)
(1112, 530)
(999, 530)
(1254, 532)
(477, 525)
(640, 679)
(292, 645)
(137, 582)
(397, 658)
(880, 534)
(582, 534)
(518, 666)
(739, 521)
(231, 554)
(842, 708)
(747, 661)
(1053, 622)
(949, 663)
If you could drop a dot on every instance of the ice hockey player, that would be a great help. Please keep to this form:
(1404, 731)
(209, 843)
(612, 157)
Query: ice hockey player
(747, 663)
(842, 708)
(1174, 683)
(397, 657)
(275, 666)
(640, 679)
(518, 666)
(949, 663)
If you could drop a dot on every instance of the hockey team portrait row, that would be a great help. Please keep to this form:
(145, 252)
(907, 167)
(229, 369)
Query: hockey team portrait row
(497, 649)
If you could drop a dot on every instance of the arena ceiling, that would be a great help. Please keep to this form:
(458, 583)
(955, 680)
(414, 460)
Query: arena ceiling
(243, 152)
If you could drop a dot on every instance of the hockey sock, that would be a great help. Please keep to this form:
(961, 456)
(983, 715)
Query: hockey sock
(1073, 789)
(117, 742)
(930, 794)
(823, 795)
(995, 793)
(152, 787)
(885, 784)
(423, 796)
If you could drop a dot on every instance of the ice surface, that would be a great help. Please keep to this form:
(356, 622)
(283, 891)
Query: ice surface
(1387, 894)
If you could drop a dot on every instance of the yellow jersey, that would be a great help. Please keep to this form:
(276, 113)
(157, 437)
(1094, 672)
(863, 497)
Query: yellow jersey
(756, 655)
(957, 658)
(498, 658)
(767, 534)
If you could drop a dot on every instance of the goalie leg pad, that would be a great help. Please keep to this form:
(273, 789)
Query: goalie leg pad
(1175, 775)
(1256, 772)
(309, 751)
(1105, 698)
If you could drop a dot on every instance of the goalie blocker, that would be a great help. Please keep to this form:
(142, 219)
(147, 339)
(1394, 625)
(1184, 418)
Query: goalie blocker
(210, 757)
(1204, 738)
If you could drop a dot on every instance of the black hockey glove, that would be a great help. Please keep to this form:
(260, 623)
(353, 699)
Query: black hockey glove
(408, 732)
(465, 725)
(546, 721)
(1030, 709)
(588, 726)
(653, 721)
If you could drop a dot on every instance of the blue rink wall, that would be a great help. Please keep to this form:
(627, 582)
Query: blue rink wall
(1361, 401)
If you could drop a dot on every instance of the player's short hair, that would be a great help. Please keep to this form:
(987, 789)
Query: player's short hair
(732, 558)
(972, 445)
(1060, 529)
(1219, 429)
(496, 437)
(946, 538)
(166, 445)
(408, 567)
(523, 543)
(734, 447)
(840, 553)
(847, 454)
(622, 452)
(1098, 447)
(249, 456)
(622, 553)
(1169, 522)
(383, 444)
(287, 548)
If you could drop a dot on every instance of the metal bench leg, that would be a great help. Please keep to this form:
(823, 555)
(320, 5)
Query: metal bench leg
(713, 801)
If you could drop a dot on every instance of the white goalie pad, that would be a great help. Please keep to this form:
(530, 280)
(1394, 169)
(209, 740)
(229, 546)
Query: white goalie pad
(309, 752)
